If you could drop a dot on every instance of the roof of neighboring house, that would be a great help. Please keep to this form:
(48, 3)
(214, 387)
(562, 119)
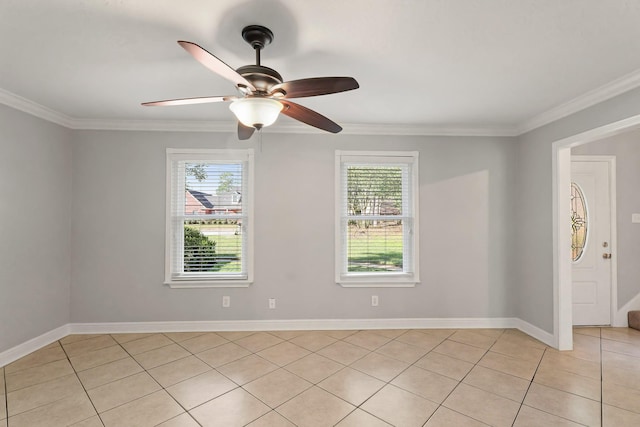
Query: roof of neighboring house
(202, 198)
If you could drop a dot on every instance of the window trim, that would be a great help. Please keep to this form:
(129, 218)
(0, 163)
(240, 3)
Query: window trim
(386, 279)
(185, 154)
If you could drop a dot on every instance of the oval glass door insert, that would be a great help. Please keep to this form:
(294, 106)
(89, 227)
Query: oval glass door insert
(579, 222)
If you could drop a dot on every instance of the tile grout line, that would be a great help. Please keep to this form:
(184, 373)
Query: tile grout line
(128, 376)
(529, 387)
(459, 382)
(386, 383)
(316, 384)
(312, 384)
(465, 376)
(110, 382)
(400, 373)
(563, 391)
(151, 376)
(6, 394)
(284, 367)
(147, 372)
(316, 352)
(81, 384)
(74, 373)
(413, 364)
(477, 364)
(187, 411)
(601, 380)
(261, 376)
(578, 395)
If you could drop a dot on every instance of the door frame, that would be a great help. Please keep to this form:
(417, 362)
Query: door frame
(613, 290)
(561, 229)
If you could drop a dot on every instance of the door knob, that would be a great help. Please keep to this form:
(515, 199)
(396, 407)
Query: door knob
(606, 256)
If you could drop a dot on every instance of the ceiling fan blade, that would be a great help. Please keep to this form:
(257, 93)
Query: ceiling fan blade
(244, 132)
(188, 101)
(313, 87)
(216, 65)
(310, 117)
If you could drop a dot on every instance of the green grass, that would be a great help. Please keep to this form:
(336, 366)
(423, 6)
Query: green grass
(375, 249)
(228, 251)
(369, 249)
(228, 246)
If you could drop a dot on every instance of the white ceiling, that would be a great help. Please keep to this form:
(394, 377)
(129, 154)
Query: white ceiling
(499, 66)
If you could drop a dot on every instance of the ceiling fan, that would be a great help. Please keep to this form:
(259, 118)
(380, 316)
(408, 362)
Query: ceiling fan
(262, 95)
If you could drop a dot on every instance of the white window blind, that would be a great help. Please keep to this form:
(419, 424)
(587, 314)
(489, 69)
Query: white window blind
(208, 217)
(376, 239)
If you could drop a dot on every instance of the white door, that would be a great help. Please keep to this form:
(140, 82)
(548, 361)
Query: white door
(591, 242)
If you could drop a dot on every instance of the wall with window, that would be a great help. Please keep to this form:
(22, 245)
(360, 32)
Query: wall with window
(627, 151)
(485, 226)
(35, 212)
(467, 227)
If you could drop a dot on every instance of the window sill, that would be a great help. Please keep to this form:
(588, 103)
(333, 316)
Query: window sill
(194, 284)
(378, 285)
(372, 281)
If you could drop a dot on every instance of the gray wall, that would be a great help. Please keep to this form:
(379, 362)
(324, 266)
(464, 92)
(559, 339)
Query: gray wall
(35, 212)
(466, 235)
(534, 257)
(486, 247)
(626, 148)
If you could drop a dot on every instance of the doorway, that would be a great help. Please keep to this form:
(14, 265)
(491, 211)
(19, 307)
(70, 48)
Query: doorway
(562, 268)
(591, 239)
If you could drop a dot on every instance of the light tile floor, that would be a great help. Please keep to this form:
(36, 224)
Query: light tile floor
(427, 378)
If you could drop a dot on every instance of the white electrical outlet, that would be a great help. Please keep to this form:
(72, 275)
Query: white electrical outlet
(374, 300)
(635, 218)
(272, 303)
(226, 301)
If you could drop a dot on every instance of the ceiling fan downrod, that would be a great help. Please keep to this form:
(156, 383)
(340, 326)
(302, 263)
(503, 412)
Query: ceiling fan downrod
(262, 78)
(258, 37)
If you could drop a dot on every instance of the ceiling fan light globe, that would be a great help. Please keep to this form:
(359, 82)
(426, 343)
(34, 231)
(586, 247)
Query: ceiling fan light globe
(256, 112)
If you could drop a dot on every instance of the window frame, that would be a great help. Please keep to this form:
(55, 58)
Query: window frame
(172, 278)
(411, 236)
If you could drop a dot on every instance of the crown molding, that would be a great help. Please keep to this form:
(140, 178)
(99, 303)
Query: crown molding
(589, 99)
(298, 128)
(27, 106)
(617, 87)
(153, 125)
(23, 104)
(428, 130)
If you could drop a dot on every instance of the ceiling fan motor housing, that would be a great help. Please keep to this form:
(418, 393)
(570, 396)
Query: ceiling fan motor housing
(261, 77)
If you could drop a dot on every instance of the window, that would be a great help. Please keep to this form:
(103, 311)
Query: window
(209, 221)
(376, 218)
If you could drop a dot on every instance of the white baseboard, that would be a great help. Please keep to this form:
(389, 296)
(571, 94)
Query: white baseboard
(34, 344)
(290, 325)
(537, 333)
(621, 319)
(21, 350)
